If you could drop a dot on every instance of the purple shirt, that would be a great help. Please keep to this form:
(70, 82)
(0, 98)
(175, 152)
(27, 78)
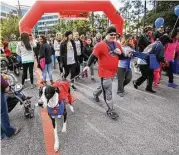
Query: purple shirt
(4, 84)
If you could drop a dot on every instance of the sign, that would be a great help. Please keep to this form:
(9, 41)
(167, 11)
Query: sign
(74, 14)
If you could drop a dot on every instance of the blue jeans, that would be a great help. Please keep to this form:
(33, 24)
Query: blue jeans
(6, 128)
(47, 69)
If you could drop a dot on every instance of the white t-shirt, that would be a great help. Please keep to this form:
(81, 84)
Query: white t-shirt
(78, 47)
(57, 48)
(70, 54)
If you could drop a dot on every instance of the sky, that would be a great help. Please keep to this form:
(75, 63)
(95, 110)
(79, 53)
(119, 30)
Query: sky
(116, 3)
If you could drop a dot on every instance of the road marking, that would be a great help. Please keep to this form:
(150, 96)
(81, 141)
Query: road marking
(46, 123)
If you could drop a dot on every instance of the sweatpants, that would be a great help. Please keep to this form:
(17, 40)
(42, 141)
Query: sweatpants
(106, 88)
(70, 69)
(124, 77)
(60, 68)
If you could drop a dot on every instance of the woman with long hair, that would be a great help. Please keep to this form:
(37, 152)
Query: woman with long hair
(87, 51)
(46, 52)
(69, 57)
(25, 51)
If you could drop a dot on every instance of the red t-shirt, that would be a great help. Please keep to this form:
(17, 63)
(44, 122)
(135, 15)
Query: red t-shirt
(7, 52)
(108, 64)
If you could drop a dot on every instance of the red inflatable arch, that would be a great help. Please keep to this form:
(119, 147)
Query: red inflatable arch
(55, 6)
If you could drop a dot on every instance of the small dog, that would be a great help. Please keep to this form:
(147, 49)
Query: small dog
(49, 96)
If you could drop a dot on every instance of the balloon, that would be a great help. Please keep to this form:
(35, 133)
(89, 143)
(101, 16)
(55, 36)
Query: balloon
(159, 22)
(177, 10)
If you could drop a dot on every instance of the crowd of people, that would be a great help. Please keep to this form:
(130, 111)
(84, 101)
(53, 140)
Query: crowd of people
(112, 54)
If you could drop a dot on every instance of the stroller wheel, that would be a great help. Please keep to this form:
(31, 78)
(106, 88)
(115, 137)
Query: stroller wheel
(31, 111)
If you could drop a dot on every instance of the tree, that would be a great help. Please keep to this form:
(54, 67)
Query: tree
(163, 9)
(82, 26)
(10, 27)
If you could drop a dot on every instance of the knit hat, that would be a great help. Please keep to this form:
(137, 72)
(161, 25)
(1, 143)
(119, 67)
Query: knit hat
(67, 33)
(111, 29)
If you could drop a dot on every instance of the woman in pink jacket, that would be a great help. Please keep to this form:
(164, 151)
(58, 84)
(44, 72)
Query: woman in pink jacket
(169, 56)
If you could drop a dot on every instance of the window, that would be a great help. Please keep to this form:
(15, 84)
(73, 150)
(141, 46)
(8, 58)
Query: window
(3, 14)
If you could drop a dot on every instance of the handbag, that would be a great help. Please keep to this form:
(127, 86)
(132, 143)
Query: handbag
(153, 62)
(42, 63)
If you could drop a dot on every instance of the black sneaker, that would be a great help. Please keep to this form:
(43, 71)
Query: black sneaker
(96, 98)
(93, 79)
(73, 87)
(112, 114)
(135, 85)
(150, 90)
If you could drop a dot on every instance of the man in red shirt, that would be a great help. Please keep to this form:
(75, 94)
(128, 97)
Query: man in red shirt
(107, 52)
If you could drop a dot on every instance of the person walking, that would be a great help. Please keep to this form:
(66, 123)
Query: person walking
(156, 48)
(87, 51)
(169, 55)
(124, 73)
(45, 52)
(57, 43)
(25, 50)
(79, 49)
(69, 57)
(107, 52)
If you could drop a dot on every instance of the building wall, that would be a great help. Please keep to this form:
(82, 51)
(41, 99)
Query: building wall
(44, 25)
(7, 9)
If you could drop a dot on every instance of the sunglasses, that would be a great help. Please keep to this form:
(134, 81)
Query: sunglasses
(112, 34)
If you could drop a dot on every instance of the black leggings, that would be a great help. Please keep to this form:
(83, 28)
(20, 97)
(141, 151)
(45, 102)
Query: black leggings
(25, 68)
(60, 68)
(70, 69)
(170, 72)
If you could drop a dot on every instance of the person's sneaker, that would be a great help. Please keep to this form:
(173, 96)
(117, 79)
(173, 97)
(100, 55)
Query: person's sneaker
(93, 79)
(23, 86)
(32, 86)
(156, 85)
(112, 114)
(73, 87)
(150, 90)
(17, 130)
(135, 85)
(121, 94)
(96, 98)
(173, 85)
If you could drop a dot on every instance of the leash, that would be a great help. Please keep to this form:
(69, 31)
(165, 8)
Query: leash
(64, 79)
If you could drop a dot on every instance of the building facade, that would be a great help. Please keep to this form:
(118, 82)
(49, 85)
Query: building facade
(46, 23)
(43, 26)
(7, 9)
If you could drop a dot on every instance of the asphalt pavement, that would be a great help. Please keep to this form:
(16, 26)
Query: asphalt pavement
(148, 123)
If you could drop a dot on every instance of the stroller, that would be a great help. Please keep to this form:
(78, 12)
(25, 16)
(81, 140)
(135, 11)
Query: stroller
(15, 96)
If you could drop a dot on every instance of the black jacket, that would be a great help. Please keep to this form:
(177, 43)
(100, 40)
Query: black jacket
(63, 52)
(87, 51)
(143, 42)
(45, 51)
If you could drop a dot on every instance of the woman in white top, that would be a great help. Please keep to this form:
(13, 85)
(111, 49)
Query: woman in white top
(57, 44)
(25, 51)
